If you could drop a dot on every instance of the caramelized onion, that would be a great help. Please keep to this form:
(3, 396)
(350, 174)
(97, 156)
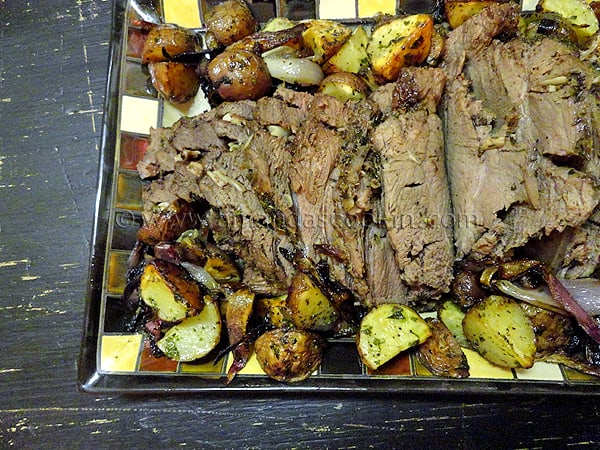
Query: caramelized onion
(291, 69)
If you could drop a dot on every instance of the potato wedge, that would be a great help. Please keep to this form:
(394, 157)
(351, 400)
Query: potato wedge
(310, 308)
(398, 43)
(289, 355)
(169, 290)
(176, 82)
(386, 331)
(274, 311)
(501, 332)
(352, 56)
(194, 337)
(324, 38)
(344, 86)
(165, 41)
(457, 12)
(578, 13)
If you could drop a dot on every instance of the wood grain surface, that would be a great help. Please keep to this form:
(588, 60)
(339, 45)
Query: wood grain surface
(53, 64)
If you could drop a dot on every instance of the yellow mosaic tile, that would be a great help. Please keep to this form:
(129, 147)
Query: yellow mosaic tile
(575, 375)
(541, 371)
(129, 194)
(172, 112)
(206, 367)
(368, 8)
(182, 12)
(117, 269)
(138, 114)
(119, 353)
(337, 9)
(479, 367)
(252, 366)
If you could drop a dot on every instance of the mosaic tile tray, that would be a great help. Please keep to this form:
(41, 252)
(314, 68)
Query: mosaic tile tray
(115, 360)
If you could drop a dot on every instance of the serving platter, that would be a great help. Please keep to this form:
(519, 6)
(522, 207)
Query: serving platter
(114, 357)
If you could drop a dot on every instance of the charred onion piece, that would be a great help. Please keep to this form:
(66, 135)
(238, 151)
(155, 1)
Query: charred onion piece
(237, 314)
(564, 297)
(441, 353)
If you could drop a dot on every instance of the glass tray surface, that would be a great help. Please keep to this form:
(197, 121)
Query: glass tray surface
(114, 359)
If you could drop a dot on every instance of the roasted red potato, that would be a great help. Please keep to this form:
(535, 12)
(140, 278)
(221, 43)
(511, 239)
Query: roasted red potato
(176, 82)
(289, 355)
(165, 41)
(166, 222)
(239, 75)
(230, 21)
(170, 291)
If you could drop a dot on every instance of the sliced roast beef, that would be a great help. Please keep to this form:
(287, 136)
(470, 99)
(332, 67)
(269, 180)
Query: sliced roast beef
(518, 131)
(415, 194)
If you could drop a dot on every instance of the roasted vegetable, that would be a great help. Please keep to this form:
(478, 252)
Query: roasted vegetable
(578, 13)
(220, 266)
(230, 21)
(176, 82)
(289, 355)
(310, 308)
(466, 289)
(239, 75)
(166, 222)
(264, 41)
(284, 64)
(501, 332)
(352, 56)
(274, 311)
(457, 12)
(344, 86)
(165, 41)
(388, 330)
(324, 38)
(169, 291)
(194, 337)
(441, 353)
(237, 315)
(398, 43)
(452, 316)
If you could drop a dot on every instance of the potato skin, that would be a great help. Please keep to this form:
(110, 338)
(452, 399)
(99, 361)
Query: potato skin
(176, 82)
(230, 21)
(289, 355)
(167, 40)
(344, 86)
(239, 75)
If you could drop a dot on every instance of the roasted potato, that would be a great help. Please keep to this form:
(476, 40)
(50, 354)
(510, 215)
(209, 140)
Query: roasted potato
(501, 332)
(176, 82)
(194, 337)
(344, 86)
(165, 41)
(169, 290)
(457, 12)
(274, 311)
(441, 353)
(166, 222)
(289, 355)
(578, 13)
(386, 331)
(230, 21)
(239, 75)
(324, 38)
(452, 316)
(310, 308)
(352, 56)
(401, 42)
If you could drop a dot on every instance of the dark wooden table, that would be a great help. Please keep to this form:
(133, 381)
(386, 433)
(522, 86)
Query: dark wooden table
(53, 64)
